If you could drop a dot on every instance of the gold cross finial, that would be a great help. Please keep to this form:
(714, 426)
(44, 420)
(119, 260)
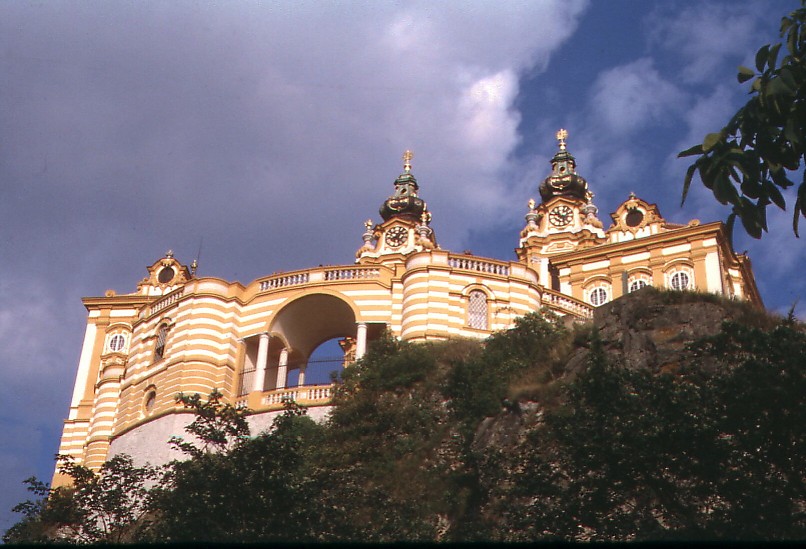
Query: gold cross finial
(561, 136)
(407, 156)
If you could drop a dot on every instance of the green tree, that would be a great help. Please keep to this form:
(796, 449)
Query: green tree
(111, 506)
(715, 451)
(752, 159)
(258, 491)
(217, 427)
(382, 465)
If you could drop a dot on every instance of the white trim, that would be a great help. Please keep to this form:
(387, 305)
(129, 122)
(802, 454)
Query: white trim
(83, 368)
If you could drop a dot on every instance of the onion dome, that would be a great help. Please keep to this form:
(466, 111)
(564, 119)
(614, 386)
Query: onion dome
(564, 180)
(404, 203)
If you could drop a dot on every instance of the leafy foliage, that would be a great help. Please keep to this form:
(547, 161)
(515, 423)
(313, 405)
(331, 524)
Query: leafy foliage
(750, 161)
(218, 425)
(632, 455)
(111, 506)
(257, 491)
(537, 346)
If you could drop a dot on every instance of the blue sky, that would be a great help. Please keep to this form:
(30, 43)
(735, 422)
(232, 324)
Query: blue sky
(272, 130)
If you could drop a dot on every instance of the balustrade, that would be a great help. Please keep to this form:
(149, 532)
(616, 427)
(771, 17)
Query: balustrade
(472, 264)
(568, 304)
(309, 393)
(317, 275)
(166, 301)
(352, 273)
(283, 281)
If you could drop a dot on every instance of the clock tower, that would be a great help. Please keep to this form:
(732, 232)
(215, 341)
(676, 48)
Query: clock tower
(566, 218)
(405, 227)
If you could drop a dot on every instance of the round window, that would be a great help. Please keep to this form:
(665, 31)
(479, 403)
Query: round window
(680, 281)
(116, 342)
(598, 296)
(166, 275)
(634, 218)
(637, 285)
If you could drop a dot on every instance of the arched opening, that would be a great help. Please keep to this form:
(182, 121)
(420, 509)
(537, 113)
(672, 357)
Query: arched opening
(327, 360)
(309, 338)
(321, 329)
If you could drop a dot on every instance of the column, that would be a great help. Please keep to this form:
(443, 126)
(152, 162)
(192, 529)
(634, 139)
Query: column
(262, 359)
(361, 340)
(282, 369)
(302, 375)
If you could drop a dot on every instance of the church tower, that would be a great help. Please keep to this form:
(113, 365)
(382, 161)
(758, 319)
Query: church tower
(566, 219)
(405, 228)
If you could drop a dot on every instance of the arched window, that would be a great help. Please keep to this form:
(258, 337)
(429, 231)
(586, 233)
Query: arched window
(637, 285)
(598, 296)
(477, 310)
(639, 280)
(149, 400)
(680, 281)
(159, 348)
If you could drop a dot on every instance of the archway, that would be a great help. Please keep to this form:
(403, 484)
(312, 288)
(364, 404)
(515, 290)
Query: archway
(311, 322)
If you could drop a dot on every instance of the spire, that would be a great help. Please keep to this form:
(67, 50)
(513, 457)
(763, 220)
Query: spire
(564, 180)
(404, 202)
(407, 156)
(561, 136)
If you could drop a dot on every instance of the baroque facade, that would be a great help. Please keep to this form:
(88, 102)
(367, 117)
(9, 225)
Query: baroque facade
(182, 333)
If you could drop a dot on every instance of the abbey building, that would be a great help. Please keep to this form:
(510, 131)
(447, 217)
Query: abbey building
(183, 333)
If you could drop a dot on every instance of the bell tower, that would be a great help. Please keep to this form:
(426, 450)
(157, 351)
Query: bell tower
(405, 227)
(566, 218)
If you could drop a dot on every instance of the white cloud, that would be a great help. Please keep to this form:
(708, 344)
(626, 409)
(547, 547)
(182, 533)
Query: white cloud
(130, 129)
(704, 35)
(630, 97)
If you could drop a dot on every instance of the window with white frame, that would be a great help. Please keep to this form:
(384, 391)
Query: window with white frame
(116, 342)
(637, 285)
(477, 310)
(638, 281)
(598, 296)
(680, 280)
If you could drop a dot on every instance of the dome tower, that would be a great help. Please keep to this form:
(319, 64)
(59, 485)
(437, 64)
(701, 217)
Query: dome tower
(406, 219)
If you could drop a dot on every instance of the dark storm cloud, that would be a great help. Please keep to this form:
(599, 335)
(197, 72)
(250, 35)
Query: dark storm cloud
(269, 130)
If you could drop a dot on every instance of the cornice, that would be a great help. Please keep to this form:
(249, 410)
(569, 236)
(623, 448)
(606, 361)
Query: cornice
(640, 244)
(127, 300)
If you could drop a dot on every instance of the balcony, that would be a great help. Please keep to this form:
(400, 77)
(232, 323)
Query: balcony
(318, 275)
(275, 399)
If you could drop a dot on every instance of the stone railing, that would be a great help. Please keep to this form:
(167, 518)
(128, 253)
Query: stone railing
(285, 280)
(310, 395)
(166, 301)
(319, 394)
(568, 304)
(318, 275)
(352, 273)
(466, 263)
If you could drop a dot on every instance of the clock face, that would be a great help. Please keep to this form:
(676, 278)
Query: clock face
(397, 236)
(561, 216)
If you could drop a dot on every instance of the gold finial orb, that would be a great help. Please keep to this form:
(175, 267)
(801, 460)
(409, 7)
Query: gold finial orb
(531, 203)
(562, 135)
(407, 156)
(368, 224)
